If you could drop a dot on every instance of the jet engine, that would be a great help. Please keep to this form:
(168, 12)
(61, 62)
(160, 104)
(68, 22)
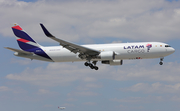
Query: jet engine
(107, 55)
(113, 62)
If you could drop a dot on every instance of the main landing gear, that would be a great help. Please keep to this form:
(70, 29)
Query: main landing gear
(91, 65)
(161, 61)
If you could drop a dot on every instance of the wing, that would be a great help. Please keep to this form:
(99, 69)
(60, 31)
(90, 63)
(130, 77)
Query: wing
(84, 51)
(19, 51)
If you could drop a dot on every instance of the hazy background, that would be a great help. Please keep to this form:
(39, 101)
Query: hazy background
(137, 85)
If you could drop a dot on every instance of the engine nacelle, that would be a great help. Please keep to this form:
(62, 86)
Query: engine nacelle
(113, 62)
(107, 55)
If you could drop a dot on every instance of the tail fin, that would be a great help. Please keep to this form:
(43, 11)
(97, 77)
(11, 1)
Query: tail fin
(24, 40)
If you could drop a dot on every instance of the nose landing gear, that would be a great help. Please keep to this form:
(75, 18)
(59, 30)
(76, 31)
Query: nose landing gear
(91, 65)
(161, 61)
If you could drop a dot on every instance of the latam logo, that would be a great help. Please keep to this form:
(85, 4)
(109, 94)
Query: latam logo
(134, 47)
(148, 47)
(138, 48)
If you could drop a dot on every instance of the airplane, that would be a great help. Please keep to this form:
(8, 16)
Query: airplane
(61, 108)
(111, 54)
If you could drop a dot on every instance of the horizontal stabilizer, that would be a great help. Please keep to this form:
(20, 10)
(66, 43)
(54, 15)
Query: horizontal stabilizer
(19, 51)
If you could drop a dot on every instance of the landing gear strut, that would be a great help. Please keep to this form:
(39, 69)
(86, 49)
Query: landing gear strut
(161, 61)
(91, 65)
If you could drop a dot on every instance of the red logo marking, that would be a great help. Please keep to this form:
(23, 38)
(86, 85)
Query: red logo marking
(17, 27)
(23, 40)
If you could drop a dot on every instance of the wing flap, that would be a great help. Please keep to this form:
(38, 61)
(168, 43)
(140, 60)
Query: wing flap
(71, 46)
(19, 51)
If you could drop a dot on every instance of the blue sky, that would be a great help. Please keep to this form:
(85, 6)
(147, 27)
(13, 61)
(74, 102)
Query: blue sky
(137, 85)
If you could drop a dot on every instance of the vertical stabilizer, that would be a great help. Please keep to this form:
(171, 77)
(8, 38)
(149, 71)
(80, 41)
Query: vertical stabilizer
(24, 40)
(26, 43)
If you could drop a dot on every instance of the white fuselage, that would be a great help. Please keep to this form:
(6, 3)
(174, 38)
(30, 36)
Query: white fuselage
(122, 51)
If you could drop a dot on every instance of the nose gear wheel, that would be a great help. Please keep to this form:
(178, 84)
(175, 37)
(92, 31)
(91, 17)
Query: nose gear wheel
(161, 61)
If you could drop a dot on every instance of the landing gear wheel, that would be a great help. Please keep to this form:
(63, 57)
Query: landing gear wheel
(91, 66)
(86, 64)
(161, 63)
(96, 68)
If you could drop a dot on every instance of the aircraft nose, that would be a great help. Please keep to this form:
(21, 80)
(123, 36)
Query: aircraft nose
(172, 50)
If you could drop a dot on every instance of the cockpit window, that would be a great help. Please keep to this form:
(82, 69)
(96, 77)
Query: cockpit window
(167, 46)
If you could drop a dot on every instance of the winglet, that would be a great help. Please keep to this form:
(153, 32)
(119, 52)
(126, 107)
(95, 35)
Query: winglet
(46, 32)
